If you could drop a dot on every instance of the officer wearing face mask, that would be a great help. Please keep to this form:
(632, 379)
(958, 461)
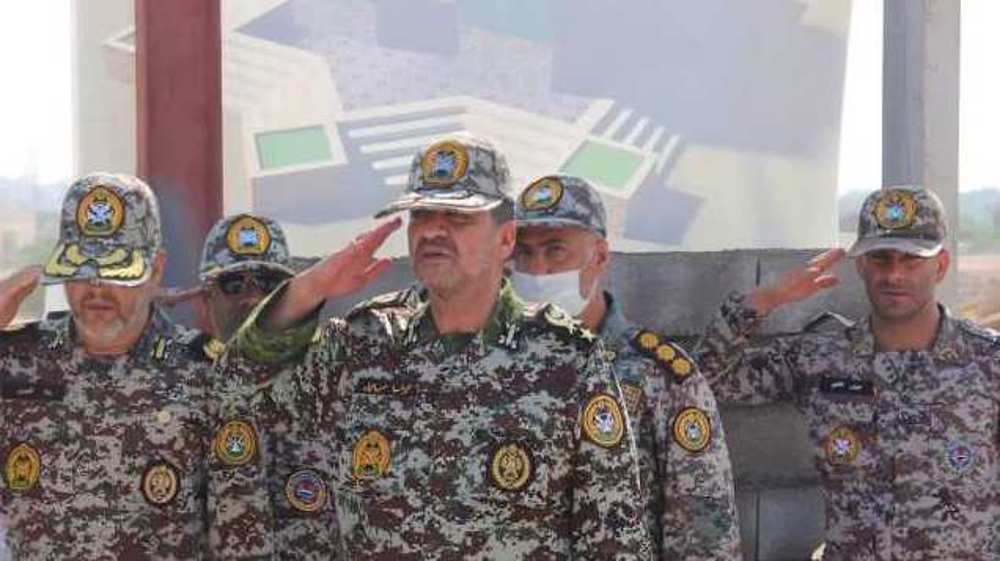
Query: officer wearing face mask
(561, 256)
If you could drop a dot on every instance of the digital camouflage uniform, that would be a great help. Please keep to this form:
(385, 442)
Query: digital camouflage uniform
(687, 477)
(292, 466)
(906, 443)
(508, 443)
(105, 457)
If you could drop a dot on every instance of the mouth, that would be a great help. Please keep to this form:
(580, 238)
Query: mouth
(434, 254)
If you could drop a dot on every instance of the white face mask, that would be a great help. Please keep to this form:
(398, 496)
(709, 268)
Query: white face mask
(561, 289)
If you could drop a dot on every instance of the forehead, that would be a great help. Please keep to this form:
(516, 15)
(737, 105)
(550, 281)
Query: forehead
(543, 235)
(429, 213)
(891, 254)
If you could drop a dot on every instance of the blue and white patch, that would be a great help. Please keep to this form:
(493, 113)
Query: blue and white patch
(960, 456)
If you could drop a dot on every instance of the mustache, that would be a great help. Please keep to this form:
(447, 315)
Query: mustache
(438, 244)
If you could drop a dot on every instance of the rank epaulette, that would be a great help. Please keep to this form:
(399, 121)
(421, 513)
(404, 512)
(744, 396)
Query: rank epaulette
(668, 355)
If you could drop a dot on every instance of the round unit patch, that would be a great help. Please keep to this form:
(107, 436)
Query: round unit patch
(444, 164)
(248, 236)
(511, 467)
(236, 443)
(306, 491)
(22, 468)
(895, 209)
(100, 212)
(542, 194)
(160, 483)
(692, 430)
(842, 446)
(960, 456)
(603, 422)
(372, 456)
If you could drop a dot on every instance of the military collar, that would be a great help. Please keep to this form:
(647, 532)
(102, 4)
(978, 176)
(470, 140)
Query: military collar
(614, 325)
(948, 345)
(500, 328)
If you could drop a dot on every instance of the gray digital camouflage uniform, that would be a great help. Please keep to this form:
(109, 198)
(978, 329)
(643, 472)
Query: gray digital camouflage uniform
(510, 443)
(687, 476)
(105, 458)
(292, 468)
(906, 443)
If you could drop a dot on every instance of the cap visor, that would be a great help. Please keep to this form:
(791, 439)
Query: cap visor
(246, 266)
(920, 248)
(411, 201)
(53, 273)
(542, 222)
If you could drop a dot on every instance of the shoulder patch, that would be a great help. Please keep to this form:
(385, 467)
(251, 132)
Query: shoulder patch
(828, 320)
(671, 357)
(399, 299)
(979, 331)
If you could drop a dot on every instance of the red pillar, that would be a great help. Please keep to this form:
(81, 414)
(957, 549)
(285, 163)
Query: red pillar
(179, 122)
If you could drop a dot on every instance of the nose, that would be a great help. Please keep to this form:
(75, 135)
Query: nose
(533, 264)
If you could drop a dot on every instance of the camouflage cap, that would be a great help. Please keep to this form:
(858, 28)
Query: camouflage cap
(244, 241)
(906, 218)
(461, 173)
(109, 230)
(561, 200)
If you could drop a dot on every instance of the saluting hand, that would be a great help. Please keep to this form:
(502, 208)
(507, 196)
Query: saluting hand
(799, 283)
(337, 275)
(14, 289)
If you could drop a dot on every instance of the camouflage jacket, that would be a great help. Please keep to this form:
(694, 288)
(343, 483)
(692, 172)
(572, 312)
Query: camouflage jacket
(291, 471)
(907, 443)
(104, 458)
(687, 478)
(509, 443)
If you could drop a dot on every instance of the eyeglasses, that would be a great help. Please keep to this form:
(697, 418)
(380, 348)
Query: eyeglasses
(232, 284)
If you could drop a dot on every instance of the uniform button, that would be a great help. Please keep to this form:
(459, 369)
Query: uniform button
(163, 417)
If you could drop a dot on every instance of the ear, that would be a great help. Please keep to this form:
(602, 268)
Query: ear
(508, 239)
(943, 259)
(159, 267)
(602, 253)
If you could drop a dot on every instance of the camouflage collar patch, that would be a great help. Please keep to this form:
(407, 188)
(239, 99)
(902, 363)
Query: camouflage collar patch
(444, 164)
(542, 194)
(100, 212)
(895, 209)
(633, 399)
(248, 236)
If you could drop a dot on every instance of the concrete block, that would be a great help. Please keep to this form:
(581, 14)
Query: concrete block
(677, 293)
(769, 446)
(746, 503)
(791, 523)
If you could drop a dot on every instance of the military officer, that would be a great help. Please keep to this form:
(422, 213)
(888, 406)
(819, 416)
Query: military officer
(246, 257)
(464, 424)
(903, 406)
(562, 254)
(105, 419)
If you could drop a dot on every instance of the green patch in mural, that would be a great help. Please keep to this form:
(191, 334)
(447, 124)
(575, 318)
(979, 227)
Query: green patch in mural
(603, 163)
(292, 147)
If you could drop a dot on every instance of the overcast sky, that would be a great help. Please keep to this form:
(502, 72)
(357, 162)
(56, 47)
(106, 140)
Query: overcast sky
(36, 105)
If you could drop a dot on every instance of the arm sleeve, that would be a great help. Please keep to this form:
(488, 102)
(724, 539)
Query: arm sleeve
(699, 519)
(738, 370)
(607, 516)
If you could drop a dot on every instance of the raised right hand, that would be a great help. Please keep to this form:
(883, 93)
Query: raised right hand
(798, 283)
(14, 289)
(335, 276)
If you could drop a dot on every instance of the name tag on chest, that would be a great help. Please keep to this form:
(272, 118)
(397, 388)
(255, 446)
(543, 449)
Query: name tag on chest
(846, 387)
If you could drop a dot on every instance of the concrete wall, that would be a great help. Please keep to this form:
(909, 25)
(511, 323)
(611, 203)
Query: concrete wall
(779, 498)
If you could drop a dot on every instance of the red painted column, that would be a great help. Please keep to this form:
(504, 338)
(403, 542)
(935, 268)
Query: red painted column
(179, 146)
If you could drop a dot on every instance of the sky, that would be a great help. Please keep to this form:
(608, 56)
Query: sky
(36, 104)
